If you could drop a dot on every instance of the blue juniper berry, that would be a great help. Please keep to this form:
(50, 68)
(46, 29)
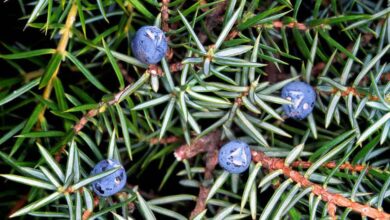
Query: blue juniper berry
(303, 97)
(235, 156)
(112, 183)
(149, 44)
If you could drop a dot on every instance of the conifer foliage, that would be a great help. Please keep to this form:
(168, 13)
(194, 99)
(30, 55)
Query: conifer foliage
(297, 92)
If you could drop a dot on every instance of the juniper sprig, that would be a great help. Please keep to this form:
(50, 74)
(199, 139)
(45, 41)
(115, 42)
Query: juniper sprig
(124, 109)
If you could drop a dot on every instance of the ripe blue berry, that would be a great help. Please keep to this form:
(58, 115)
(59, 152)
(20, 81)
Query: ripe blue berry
(149, 45)
(235, 156)
(302, 96)
(112, 183)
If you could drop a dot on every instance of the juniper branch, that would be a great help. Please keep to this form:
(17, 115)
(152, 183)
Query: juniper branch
(117, 98)
(207, 143)
(323, 193)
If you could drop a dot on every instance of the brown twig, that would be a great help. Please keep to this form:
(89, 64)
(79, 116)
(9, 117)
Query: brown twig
(209, 144)
(168, 140)
(279, 24)
(200, 201)
(102, 107)
(201, 145)
(330, 165)
(165, 25)
(211, 162)
(333, 199)
(354, 92)
(332, 210)
(93, 112)
(275, 24)
(176, 67)
(165, 15)
(84, 120)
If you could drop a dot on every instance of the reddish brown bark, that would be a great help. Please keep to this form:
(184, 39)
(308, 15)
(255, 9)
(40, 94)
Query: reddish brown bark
(167, 140)
(211, 162)
(206, 143)
(354, 92)
(175, 67)
(332, 164)
(209, 144)
(298, 25)
(164, 16)
(200, 201)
